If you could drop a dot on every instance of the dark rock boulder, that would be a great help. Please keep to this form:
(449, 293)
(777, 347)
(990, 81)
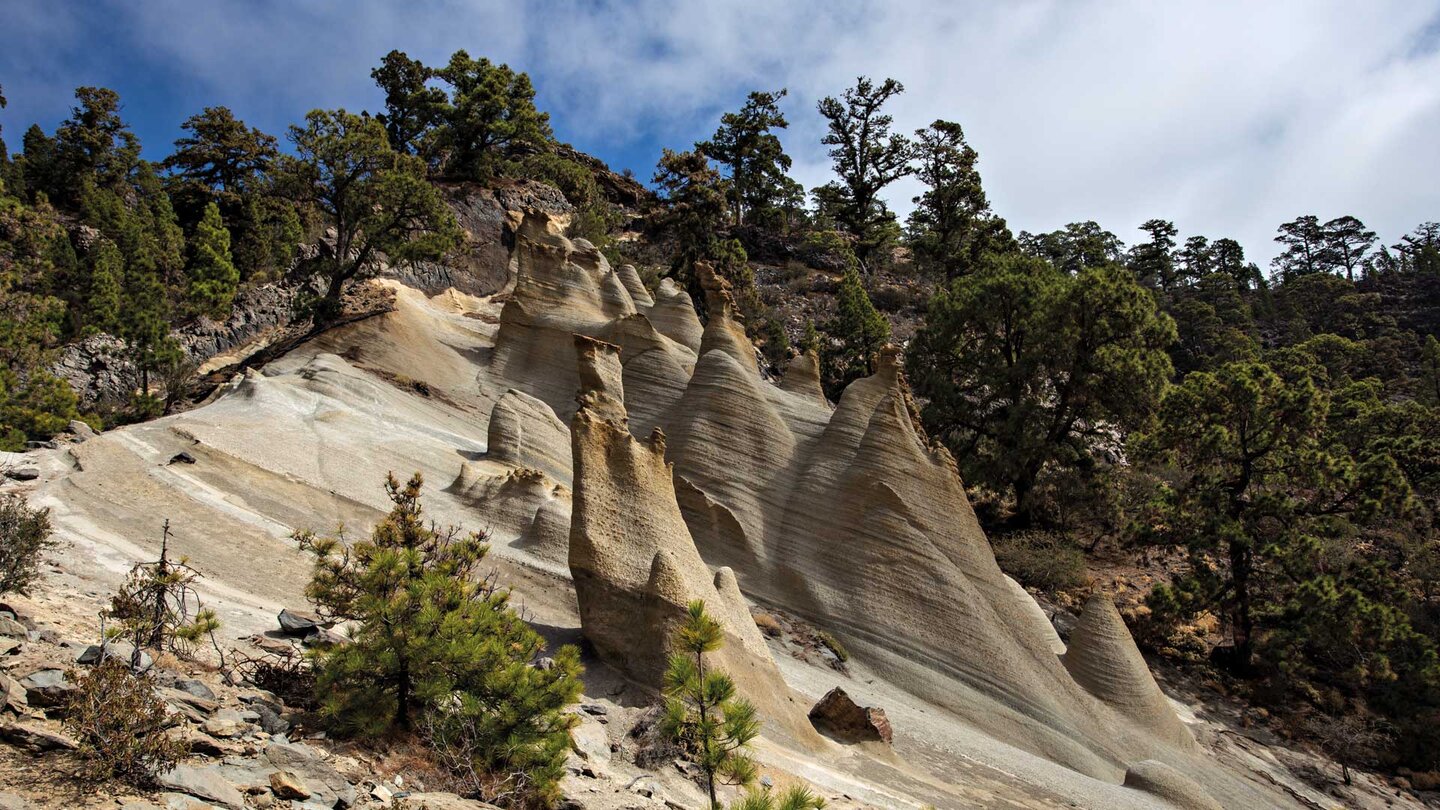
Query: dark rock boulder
(47, 687)
(299, 622)
(843, 719)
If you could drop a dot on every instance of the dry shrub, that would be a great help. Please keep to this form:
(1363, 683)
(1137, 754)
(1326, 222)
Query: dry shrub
(768, 625)
(286, 675)
(120, 725)
(1044, 560)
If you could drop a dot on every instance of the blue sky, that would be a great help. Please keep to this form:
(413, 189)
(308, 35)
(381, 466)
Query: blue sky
(1227, 117)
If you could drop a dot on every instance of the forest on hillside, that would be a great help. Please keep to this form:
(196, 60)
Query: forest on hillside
(1272, 432)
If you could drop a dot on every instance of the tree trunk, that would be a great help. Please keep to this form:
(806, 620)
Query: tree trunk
(402, 696)
(705, 740)
(1243, 624)
(1024, 488)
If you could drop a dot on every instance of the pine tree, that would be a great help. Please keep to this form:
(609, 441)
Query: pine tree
(1020, 364)
(433, 639)
(106, 269)
(377, 200)
(213, 277)
(867, 157)
(952, 225)
(491, 112)
(145, 327)
(702, 711)
(1153, 262)
(757, 163)
(857, 333)
(412, 109)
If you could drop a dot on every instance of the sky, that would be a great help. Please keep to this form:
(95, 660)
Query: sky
(1226, 117)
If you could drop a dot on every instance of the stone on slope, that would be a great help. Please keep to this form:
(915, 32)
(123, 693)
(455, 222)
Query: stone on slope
(202, 782)
(325, 785)
(1165, 782)
(299, 622)
(47, 687)
(114, 648)
(842, 718)
(1103, 659)
(35, 737)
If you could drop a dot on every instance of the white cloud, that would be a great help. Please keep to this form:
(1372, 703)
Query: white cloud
(1228, 117)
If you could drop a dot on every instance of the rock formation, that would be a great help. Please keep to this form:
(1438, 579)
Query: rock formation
(1163, 781)
(1103, 659)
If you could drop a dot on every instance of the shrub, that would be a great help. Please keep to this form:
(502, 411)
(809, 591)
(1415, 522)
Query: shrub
(798, 797)
(24, 537)
(768, 625)
(833, 645)
(1043, 560)
(120, 723)
(433, 638)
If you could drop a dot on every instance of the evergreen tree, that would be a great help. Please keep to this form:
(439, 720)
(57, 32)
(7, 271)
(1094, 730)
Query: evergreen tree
(1027, 368)
(377, 200)
(106, 270)
(491, 113)
(702, 710)
(412, 108)
(952, 225)
(1260, 485)
(867, 157)
(432, 639)
(1153, 262)
(145, 326)
(1348, 242)
(1304, 242)
(220, 154)
(856, 334)
(747, 146)
(1196, 259)
(213, 277)
(691, 205)
(95, 144)
(1229, 261)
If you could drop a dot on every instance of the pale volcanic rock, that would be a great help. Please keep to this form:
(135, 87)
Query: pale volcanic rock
(1035, 616)
(1169, 784)
(1103, 658)
(631, 554)
(729, 443)
(802, 377)
(674, 315)
(723, 331)
(630, 277)
(525, 432)
(656, 371)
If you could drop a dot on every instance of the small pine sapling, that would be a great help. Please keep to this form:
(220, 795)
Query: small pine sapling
(702, 710)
